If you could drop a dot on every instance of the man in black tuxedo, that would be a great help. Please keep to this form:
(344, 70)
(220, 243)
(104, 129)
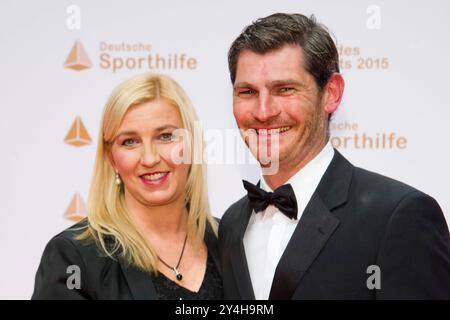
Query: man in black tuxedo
(315, 226)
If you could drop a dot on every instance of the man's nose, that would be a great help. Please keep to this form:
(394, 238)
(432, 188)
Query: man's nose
(266, 108)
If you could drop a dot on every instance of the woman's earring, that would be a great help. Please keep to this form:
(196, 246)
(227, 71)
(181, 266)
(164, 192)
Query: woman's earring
(118, 181)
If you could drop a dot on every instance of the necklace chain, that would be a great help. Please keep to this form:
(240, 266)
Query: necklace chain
(178, 275)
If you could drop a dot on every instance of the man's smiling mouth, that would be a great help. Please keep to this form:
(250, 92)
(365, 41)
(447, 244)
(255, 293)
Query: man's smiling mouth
(270, 131)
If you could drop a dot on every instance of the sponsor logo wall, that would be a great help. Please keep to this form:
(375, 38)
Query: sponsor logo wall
(60, 61)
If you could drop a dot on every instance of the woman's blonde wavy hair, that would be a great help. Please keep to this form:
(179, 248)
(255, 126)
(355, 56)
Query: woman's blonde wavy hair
(109, 223)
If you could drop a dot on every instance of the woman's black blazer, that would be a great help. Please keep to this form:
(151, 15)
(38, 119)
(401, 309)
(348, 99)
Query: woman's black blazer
(71, 269)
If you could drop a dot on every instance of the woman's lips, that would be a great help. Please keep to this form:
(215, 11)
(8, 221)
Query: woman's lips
(154, 178)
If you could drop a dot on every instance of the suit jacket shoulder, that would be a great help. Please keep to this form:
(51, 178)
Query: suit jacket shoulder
(231, 216)
(70, 268)
(371, 185)
(234, 209)
(413, 251)
(100, 276)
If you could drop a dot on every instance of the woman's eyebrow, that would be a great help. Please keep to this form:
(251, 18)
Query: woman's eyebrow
(126, 133)
(133, 132)
(167, 126)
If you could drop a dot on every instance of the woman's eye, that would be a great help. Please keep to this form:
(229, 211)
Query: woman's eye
(128, 142)
(167, 136)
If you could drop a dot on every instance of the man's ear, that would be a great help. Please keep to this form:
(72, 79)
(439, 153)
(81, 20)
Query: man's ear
(333, 92)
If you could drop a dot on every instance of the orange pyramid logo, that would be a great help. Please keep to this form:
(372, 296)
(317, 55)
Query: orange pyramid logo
(76, 210)
(77, 58)
(77, 135)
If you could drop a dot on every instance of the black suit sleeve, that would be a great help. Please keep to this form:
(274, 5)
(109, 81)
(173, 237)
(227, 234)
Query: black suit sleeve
(414, 256)
(52, 276)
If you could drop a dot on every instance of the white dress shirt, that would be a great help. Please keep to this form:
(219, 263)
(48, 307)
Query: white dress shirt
(269, 231)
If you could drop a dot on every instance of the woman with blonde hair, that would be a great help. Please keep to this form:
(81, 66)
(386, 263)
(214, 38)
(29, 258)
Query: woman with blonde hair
(149, 232)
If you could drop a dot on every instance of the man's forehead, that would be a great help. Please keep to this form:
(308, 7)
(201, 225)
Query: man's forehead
(278, 64)
(287, 51)
(272, 75)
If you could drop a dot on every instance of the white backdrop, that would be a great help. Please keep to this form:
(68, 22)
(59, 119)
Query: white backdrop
(394, 58)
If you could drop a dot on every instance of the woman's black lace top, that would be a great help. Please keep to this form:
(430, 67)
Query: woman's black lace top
(210, 289)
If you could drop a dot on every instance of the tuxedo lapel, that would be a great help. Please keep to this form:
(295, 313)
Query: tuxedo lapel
(238, 258)
(139, 282)
(313, 230)
(315, 227)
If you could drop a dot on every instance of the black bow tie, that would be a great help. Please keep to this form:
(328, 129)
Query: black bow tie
(283, 198)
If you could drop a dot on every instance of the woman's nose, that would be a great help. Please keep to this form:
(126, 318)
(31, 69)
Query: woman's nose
(150, 155)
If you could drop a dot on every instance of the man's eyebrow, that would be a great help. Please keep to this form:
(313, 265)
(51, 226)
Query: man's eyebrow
(278, 83)
(271, 84)
(242, 85)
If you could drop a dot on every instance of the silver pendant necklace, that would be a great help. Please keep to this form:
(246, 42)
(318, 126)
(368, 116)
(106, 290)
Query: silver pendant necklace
(178, 275)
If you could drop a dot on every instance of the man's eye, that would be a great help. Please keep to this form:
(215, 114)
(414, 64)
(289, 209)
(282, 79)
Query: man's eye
(286, 89)
(247, 92)
(128, 142)
(167, 136)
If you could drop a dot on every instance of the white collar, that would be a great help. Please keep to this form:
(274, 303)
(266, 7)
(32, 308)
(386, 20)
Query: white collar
(305, 181)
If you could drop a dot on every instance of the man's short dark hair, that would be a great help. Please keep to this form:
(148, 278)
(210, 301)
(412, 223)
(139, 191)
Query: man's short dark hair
(279, 29)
